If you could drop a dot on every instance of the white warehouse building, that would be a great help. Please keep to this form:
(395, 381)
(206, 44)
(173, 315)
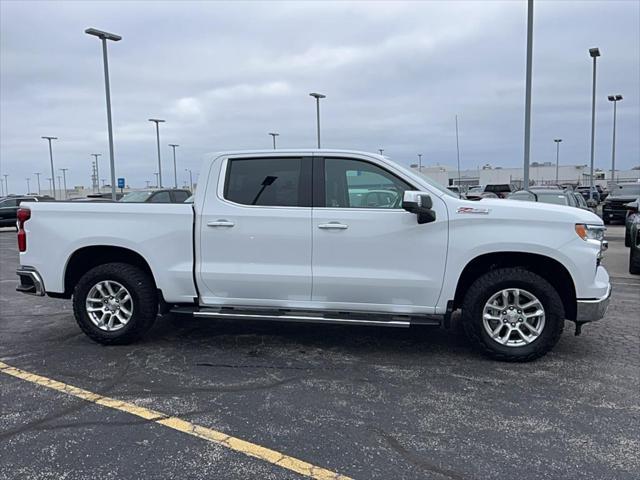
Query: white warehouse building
(539, 174)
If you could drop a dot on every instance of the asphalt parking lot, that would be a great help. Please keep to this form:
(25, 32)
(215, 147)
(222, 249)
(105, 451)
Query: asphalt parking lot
(361, 402)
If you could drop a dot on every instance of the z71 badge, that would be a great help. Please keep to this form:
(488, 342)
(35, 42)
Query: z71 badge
(481, 211)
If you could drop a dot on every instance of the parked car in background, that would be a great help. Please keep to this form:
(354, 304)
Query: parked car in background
(633, 212)
(9, 207)
(477, 195)
(168, 195)
(502, 190)
(455, 189)
(584, 191)
(550, 195)
(634, 245)
(604, 193)
(614, 209)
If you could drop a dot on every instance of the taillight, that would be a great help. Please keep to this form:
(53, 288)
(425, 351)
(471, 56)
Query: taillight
(23, 215)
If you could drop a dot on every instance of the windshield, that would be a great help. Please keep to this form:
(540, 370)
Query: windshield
(632, 190)
(440, 187)
(136, 196)
(552, 198)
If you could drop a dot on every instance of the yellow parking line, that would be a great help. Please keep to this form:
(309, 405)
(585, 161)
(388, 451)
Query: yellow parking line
(214, 436)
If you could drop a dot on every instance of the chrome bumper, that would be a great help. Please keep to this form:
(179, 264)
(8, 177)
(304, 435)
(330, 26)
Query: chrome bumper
(592, 310)
(30, 282)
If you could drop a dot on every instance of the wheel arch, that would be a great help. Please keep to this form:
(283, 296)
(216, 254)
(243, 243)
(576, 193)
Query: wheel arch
(86, 258)
(550, 269)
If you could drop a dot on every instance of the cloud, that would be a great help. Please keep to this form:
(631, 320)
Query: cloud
(224, 74)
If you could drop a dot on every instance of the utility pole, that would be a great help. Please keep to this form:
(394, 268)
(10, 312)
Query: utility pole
(175, 171)
(104, 36)
(53, 170)
(37, 174)
(527, 101)
(557, 140)
(381, 150)
(458, 153)
(615, 99)
(157, 121)
(190, 178)
(96, 155)
(28, 186)
(64, 178)
(318, 96)
(274, 135)
(594, 53)
(420, 162)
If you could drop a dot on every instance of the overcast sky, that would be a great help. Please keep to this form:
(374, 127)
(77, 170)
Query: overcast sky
(395, 74)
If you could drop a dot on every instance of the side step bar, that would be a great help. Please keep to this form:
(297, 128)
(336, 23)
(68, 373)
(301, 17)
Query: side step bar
(334, 318)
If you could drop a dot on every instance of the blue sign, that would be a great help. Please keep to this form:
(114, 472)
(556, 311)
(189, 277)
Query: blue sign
(121, 183)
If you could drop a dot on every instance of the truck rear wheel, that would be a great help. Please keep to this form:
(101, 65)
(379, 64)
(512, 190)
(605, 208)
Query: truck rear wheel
(115, 303)
(513, 314)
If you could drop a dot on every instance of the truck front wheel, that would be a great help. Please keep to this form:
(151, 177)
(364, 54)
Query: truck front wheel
(513, 314)
(115, 303)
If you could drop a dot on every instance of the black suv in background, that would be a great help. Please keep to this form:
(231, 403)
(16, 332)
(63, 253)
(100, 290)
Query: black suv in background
(9, 207)
(613, 209)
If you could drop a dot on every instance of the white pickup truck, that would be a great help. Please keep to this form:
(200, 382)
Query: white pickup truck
(327, 236)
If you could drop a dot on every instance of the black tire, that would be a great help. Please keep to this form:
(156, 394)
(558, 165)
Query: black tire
(494, 281)
(144, 297)
(634, 260)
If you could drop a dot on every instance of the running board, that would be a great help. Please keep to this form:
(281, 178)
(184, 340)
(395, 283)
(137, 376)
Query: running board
(334, 318)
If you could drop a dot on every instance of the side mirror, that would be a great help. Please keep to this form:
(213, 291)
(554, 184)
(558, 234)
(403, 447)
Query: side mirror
(419, 203)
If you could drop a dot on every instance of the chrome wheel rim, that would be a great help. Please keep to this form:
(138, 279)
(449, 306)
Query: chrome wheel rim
(513, 317)
(109, 305)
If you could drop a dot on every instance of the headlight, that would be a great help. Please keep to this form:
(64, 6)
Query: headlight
(590, 232)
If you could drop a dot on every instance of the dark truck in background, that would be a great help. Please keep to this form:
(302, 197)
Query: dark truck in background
(614, 209)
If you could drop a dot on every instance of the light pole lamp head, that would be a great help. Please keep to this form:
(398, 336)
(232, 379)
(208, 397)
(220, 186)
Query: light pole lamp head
(274, 134)
(102, 34)
(618, 97)
(317, 95)
(594, 52)
(557, 140)
(174, 145)
(156, 120)
(50, 138)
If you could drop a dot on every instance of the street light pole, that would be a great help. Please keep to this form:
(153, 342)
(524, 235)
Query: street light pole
(420, 162)
(104, 36)
(96, 155)
(37, 174)
(557, 140)
(175, 172)
(28, 185)
(64, 179)
(274, 135)
(190, 178)
(381, 150)
(527, 101)
(53, 170)
(51, 185)
(615, 99)
(59, 183)
(318, 96)
(157, 181)
(157, 121)
(594, 53)
(458, 155)
(6, 182)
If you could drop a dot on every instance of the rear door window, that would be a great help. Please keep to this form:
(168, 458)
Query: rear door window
(179, 196)
(276, 182)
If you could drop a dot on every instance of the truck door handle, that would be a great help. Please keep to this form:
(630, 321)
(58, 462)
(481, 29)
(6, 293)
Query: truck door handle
(220, 223)
(333, 225)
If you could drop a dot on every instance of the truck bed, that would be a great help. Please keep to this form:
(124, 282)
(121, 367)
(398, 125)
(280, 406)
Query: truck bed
(161, 233)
